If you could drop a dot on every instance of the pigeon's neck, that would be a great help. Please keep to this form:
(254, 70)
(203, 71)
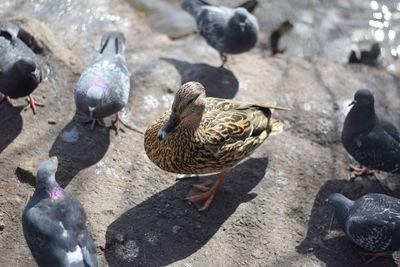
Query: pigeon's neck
(342, 209)
(362, 118)
(50, 189)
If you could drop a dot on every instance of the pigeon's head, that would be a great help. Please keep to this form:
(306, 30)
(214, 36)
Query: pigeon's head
(363, 97)
(94, 96)
(46, 172)
(187, 108)
(241, 18)
(342, 207)
(334, 198)
(28, 68)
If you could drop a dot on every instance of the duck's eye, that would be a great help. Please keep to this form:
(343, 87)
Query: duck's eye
(191, 101)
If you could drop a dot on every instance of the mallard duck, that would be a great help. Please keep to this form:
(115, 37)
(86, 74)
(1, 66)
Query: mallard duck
(205, 135)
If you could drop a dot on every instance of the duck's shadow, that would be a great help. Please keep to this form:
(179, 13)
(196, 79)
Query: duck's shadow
(164, 229)
(10, 124)
(324, 236)
(78, 147)
(219, 82)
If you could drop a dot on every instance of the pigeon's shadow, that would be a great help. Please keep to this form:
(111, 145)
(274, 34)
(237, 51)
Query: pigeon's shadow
(164, 228)
(78, 147)
(324, 236)
(10, 124)
(219, 82)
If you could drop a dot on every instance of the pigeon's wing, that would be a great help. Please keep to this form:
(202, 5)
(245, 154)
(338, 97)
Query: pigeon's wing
(37, 221)
(63, 231)
(42, 234)
(383, 151)
(211, 23)
(369, 233)
(74, 221)
(390, 129)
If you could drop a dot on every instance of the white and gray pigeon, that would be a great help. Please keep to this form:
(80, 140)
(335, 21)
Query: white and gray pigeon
(372, 222)
(228, 30)
(103, 88)
(20, 73)
(370, 139)
(54, 224)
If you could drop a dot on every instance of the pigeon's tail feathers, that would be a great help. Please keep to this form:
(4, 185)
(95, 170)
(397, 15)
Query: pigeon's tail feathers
(90, 259)
(112, 43)
(250, 5)
(193, 6)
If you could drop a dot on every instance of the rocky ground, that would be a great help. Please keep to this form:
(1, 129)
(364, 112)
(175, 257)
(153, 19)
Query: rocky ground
(270, 210)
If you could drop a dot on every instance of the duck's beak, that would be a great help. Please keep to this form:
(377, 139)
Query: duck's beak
(352, 103)
(169, 126)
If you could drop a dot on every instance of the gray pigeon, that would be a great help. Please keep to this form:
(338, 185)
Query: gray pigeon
(103, 88)
(228, 30)
(19, 69)
(372, 140)
(372, 222)
(54, 224)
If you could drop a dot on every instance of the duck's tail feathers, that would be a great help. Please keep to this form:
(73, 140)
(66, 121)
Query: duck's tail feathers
(276, 126)
(112, 43)
(274, 106)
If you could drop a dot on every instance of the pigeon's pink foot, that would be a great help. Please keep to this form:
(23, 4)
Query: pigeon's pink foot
(117, 121)
(356, 171)
(224, 59)
(373, 255)
(6, 99)
(32, 102)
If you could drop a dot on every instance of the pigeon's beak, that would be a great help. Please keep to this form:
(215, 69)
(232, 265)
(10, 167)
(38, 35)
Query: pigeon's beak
(54, 159)
(352, 103)
(169, 126)
(91, 109)
(242, 26)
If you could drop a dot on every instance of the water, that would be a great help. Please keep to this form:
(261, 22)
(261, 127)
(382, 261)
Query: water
(322, 28)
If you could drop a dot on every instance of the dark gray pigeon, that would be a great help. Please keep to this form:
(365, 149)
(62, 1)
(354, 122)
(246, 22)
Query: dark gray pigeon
(372, 222)
(20, 73)
(228, 30)
(54, 224)
(371, 140)
(103, 88)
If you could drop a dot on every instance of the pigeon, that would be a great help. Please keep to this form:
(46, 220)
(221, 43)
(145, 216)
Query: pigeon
(367, 57)
(54, 224)
(103, 88)
(20, 73)
(228, 30)
(372, 222)
(371, 140)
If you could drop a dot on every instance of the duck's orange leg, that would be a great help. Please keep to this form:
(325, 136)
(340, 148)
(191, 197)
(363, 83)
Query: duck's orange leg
(208, 193)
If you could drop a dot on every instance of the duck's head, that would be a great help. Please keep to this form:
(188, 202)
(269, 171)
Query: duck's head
(363, 97)
(187, 108)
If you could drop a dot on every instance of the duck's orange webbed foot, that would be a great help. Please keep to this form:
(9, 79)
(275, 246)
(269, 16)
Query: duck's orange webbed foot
(207, 193)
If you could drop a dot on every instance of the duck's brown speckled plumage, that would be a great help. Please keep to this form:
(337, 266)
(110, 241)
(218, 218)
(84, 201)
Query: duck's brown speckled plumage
(228, 132)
